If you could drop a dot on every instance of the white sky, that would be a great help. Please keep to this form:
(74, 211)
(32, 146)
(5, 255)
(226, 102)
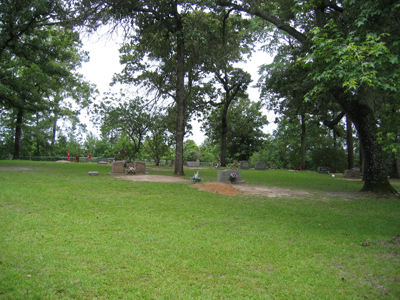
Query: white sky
(104, 63)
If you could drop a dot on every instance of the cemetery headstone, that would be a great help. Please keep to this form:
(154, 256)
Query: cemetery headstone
(77, 158)
(193, 164)
(271, 164)
(235, 165)
(224, 176)
(94, 173)
(129, 165)
(244, 165)
(354, 173)
(118, 167)
(323, 170)
(260, 165)
(140, 167)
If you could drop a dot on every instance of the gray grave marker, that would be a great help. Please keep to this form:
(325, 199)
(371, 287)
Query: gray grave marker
(260, 165)
(224, 176)
(244, 165)
(118, 167)
(140, 167)
(193, 164)
(323, 170)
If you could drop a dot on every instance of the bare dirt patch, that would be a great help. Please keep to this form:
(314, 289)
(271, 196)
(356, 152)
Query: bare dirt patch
(220, 188)
(152, 178)
(248, 189)
(14, 169)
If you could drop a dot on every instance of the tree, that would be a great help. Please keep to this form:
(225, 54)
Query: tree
(191, 151)
(245, 122)
(129, 117)
(283, 88)
(208, 151)
(37, 80)
(230, 38)
(158, 142)
(354, 27)
(161, 34)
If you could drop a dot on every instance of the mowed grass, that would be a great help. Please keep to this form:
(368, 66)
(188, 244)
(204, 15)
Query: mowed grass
(67, 235)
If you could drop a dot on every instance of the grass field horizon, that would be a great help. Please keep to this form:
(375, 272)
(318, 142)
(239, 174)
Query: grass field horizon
(67, 235)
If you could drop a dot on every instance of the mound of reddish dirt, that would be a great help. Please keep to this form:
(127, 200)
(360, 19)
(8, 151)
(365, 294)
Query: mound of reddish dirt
(218, 188)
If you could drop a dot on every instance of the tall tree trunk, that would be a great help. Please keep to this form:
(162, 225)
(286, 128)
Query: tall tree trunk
(37, 152)
(303, 143)
(361, 112)
(180, 95)
(53, 138)
(18, 133)
(224, 131)
(350, 146)
(398, 167)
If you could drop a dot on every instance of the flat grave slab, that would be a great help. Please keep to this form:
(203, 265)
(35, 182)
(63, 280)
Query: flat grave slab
(224, 176)
(93, 173)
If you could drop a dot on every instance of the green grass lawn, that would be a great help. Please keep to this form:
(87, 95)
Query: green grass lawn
(67, 235)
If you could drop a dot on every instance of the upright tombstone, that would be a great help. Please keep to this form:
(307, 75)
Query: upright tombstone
(77, 158)
(353, 173)
(129, 165)
(224, 176)
(244, 165)
(118, 167)
(356, 173)
(235, 165)
(323, 170)
(271, 164)
(140, 167)
(260, 165)
(193, 164)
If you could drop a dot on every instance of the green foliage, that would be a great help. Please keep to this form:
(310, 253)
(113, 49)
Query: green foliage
(38, 71)
(191, 151)
(334, 158)
(350, 61)
(245, 121)
(159, 140)
(130, 118)
(209, 151)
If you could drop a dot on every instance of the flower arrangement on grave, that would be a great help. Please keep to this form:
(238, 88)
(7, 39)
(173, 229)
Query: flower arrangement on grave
(196, 178)
(131, 171)
(233, 177)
